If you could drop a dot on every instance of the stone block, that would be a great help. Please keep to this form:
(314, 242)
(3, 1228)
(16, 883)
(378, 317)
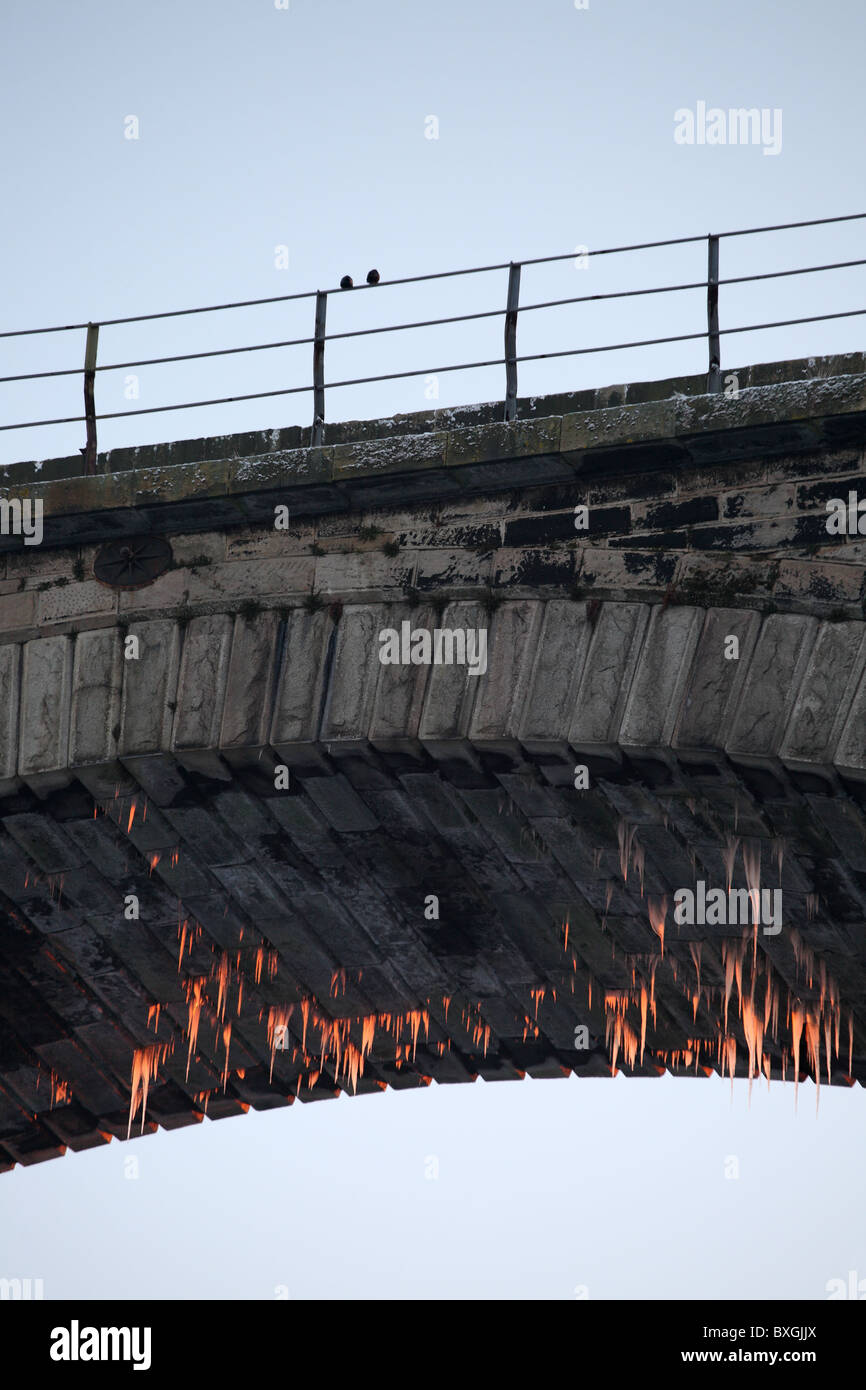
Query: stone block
(604, 686)
(176, 482)
(45, 842)
(149, 688)
(508, 439)
(202, 682)
(400, 690)
(660, 676)
(76, 601)
(10, 665)
(355, 672)
(822, 581)
(595, 429)
(451, 690)
(355, 574)
(512, 640)
(302, 673)
(449, 568)
(250, 682)
(826, 695)
(18, 611)
(46, 684)
(97, 674)
(340, 804)
(714, 683)
(224, 585)
(527, 570)
(623, 574)
(376, 456)
(558, 665)
(776, 669)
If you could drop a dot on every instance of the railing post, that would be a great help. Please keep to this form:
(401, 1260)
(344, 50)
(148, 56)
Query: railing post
(318, 434)
(511, 342)
(714, 372)
(89, 404)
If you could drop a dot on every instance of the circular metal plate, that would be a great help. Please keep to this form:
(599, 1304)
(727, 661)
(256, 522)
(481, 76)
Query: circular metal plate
(132, 562)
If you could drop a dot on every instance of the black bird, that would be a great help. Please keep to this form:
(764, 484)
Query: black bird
(372, 277)
(347, 283)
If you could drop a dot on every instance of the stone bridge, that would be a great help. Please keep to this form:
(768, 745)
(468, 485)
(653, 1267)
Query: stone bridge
(244, 861)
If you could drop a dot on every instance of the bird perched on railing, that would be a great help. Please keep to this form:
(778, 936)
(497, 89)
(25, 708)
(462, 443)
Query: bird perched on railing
(347, 283)
(372, 277)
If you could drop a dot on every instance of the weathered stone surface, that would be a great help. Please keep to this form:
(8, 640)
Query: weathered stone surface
(299, 692)
(44, 708)
(715, 682)
(524, 437)
(613, 654)
(451, 690)
(594, 429)
(388, 456)
(399, 694)
(247, 711)
(10, 661)
(825, 698)
(512, 639)
(149, 688)
(355, 673)
(202, 682)
(781, 653)
(657, 685)
(433, 890)
(557, 669)
(96, 686)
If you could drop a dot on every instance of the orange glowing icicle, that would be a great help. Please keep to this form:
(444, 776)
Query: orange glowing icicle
(625, 835)
(695, 950)
(227, 1039)
(182, 930)
(643, 1006)
(797, 1016)
(752, 865)
(223, 974)
(658, 911)
(729, 854)
(195, 1001)
(145, 1065)
(59, 1090)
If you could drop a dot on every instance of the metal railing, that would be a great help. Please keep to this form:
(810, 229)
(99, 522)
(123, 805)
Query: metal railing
(510, 359)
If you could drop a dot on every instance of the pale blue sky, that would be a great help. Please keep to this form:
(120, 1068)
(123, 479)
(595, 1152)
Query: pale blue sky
(305, 128)
(260, 128)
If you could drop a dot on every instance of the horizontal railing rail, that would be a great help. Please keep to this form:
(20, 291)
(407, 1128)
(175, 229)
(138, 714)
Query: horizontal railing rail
(510, 312)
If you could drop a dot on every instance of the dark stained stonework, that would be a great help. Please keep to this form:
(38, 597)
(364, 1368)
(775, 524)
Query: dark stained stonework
(263, 906)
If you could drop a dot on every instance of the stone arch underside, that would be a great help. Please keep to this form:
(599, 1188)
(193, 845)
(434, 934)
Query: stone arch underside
(286, 945)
